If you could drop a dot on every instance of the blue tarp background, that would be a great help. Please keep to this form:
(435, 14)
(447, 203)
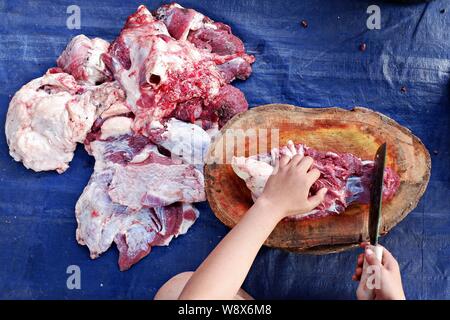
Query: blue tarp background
(314, 67)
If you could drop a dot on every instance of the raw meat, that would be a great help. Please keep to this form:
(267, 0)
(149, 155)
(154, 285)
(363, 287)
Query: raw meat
(146, 108)
(179, 21)
(156, 185)
(187, 141)
(101, 222)
(164, 75)
(214, 37)
(228, 102)
(346, 177)
(82, 59)
(108, 211)
(109, 100)
(157, 71)
(49, 115)
(45, 120)
(236, 68)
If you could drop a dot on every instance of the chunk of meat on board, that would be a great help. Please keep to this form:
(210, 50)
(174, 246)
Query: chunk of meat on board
(346, 177)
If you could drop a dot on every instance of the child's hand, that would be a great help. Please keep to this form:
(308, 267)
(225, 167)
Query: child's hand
(390, 281)
(288, 187)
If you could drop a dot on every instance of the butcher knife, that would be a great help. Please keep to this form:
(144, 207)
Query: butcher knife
(376, 198)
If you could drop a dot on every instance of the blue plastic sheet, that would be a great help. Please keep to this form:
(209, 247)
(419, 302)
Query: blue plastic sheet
(317, 66)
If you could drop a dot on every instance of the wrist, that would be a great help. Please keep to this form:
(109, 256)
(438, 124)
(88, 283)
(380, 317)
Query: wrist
(272, 210)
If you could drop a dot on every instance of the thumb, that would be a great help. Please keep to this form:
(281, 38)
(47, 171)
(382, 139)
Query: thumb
(315, 200)
(371, 257)
(389, 261)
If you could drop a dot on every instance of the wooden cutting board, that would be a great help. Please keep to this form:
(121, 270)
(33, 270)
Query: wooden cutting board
(359, 131)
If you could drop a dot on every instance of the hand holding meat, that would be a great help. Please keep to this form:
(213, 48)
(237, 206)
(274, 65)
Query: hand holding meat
(288, 188)
(346, 177)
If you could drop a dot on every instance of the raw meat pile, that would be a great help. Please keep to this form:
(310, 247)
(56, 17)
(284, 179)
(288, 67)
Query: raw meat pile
(145, 106)
(346, 177)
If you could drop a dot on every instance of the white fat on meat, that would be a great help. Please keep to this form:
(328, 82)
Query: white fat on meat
(187, 221)
(255, 173)
(48, 116)
(116, 126)
(134, 227)
(102, 222)
(97, 215)
(156, 185)
(45, 120)
(108, 99)
(185, 140)
(82, 58)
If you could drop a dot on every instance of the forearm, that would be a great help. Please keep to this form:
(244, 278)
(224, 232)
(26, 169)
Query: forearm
(221, 275)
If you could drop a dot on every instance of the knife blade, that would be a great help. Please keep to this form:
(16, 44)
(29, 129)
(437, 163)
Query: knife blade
(376, 194)
(365, 291)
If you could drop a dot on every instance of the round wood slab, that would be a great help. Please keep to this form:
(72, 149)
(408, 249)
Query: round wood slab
(359, 131)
